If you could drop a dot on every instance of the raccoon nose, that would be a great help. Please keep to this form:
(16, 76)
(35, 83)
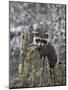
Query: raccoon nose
(39, 44)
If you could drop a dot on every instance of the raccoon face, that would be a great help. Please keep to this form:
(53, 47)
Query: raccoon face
(40, 39)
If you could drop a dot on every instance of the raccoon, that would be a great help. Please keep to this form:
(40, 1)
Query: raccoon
(45, 48)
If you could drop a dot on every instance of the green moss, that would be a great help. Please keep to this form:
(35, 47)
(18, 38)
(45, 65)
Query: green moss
(25, 68)
(30, 50)
(21, 68)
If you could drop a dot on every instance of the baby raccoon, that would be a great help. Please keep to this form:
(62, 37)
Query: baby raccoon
(45, 48)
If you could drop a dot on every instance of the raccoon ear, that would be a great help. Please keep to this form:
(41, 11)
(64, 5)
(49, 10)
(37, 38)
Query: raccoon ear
(46, 35)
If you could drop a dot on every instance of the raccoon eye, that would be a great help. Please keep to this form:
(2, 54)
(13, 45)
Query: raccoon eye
(37, 40)
(44, 41)
(35, 32)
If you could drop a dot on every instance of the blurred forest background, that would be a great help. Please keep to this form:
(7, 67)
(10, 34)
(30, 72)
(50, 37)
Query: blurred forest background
(53, 18)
